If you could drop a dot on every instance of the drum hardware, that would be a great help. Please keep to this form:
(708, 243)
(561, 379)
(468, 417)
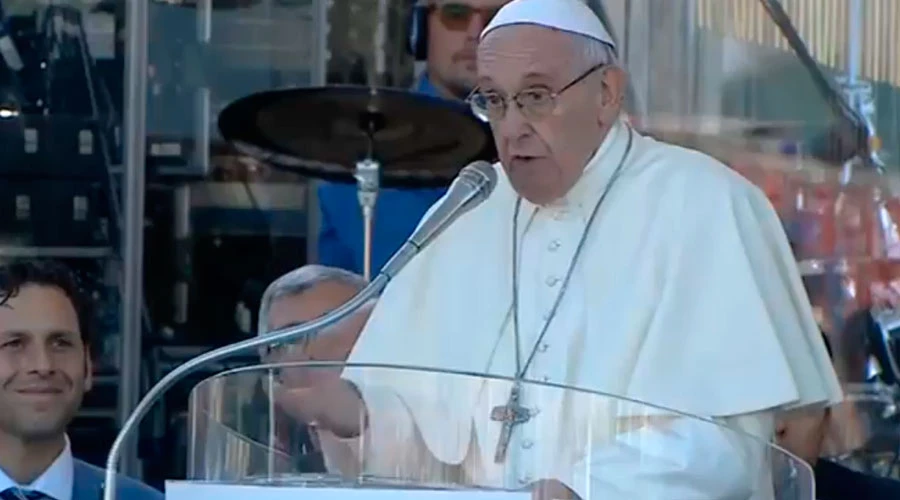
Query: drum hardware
(876, 404)
(374, 137)
(838, 102)
(367, 178)
(885, 343)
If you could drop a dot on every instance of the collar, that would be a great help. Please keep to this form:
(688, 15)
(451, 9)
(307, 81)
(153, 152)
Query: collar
(57, 481)
(590, 186)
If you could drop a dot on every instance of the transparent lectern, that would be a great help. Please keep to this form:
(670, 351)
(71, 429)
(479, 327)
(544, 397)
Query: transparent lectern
(429, 434)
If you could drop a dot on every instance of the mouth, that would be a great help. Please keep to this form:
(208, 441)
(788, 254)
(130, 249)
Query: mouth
(523, 160)
(39, 391)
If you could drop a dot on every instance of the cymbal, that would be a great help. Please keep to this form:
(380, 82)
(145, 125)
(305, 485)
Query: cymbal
(323, 132)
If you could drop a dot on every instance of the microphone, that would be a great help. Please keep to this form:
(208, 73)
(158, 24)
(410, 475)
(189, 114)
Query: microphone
(471, 187)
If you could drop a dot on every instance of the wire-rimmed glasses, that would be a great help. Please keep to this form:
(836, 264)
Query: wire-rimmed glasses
(535, 102)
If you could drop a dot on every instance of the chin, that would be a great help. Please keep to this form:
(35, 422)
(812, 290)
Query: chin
(43, 429)
(535, 192)
(42, 426)
(536, 196)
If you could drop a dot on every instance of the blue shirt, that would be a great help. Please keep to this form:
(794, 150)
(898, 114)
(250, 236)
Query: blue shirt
(397, 213)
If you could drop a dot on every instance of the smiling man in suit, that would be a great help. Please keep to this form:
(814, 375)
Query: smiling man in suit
(45, 369)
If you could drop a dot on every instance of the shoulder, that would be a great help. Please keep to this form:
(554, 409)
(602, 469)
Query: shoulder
(690, 181)
(91, 476)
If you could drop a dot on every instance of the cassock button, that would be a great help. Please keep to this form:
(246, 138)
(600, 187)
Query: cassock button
(552, 281)
(554, 245)
(527, 444)
(543, 347)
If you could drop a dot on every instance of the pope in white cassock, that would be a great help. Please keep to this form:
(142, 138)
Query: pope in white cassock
(642, 269)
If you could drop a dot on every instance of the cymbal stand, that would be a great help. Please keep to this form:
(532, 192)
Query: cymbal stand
(368, 183)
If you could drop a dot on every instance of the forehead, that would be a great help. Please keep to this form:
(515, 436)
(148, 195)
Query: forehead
(38, 309)
(510, 53)
(310, 304)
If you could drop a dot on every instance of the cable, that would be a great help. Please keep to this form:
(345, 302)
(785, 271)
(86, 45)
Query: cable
(835, 99)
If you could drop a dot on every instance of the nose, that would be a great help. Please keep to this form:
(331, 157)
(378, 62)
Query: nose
(39, 360)
(513, 126)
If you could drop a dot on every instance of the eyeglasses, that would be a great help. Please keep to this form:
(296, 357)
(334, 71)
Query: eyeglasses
(458, 16)
(534, 102)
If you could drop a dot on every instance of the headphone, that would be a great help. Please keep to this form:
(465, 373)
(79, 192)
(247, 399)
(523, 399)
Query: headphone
(417, 37)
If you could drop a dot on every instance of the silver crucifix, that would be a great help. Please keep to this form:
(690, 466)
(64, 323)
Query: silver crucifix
(511, 414)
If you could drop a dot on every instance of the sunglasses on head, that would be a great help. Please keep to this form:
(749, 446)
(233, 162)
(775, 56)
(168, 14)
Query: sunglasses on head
(457, 16)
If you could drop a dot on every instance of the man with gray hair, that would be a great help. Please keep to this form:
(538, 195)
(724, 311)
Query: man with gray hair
(305, 294)
(302, 295)
(602, 260)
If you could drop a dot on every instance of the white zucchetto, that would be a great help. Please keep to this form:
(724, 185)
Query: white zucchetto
(573, 16)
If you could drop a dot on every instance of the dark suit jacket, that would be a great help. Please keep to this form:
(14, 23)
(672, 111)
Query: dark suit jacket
(88, 485)
(836, 482)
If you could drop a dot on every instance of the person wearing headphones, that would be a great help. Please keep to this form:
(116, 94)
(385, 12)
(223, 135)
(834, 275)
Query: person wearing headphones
(443, 34)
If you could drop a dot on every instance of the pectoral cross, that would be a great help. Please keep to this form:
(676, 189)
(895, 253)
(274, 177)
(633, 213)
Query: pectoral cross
(511, 414)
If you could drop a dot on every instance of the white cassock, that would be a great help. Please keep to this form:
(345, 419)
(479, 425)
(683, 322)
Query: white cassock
(686, 295)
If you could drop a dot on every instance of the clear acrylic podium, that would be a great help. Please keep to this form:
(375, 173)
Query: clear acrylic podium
(431, 433)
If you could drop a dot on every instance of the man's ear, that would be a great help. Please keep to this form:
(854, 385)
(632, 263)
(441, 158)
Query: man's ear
(611, 97)
(780, 426)
(88, 371)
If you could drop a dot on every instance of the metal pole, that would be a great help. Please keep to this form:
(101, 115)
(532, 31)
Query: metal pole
(320, 70)
(137, 12)
(381, 43)
(854, 43)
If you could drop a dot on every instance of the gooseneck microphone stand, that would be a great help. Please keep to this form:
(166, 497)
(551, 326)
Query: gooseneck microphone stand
(291, 333)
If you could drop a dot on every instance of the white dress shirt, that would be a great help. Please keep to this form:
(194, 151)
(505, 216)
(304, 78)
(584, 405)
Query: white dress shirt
(56, 482)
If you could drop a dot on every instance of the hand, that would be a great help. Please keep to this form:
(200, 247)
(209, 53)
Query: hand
(551, 489)
(306, 404)
(332, 405)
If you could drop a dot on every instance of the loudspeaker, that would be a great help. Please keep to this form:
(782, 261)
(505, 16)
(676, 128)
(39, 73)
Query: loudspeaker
(417, 40)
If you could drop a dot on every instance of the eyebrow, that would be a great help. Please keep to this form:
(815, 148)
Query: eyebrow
(483, 81)
(63, 333)
(51, 334)
(286, 325)
(286, 342)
